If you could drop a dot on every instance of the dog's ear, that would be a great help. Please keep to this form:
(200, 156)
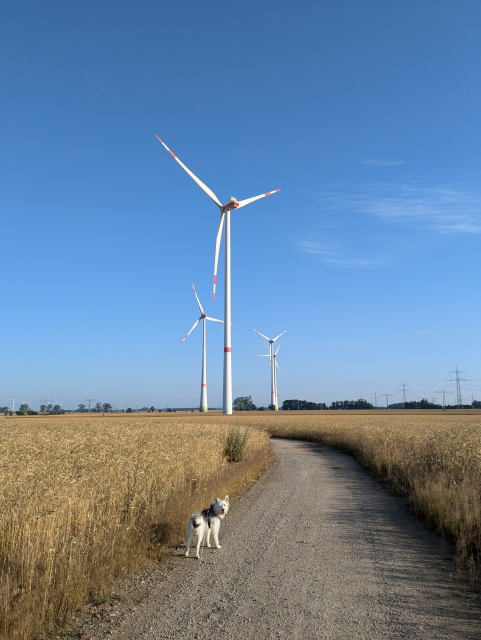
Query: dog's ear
(226, 498)
(217, 500)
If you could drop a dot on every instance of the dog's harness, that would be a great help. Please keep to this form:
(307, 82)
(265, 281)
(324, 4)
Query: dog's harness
(208, 513)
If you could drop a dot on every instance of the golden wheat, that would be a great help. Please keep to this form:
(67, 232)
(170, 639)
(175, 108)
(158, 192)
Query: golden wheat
(84, 500)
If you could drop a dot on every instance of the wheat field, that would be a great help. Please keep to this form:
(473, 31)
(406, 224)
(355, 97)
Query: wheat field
(87, 499)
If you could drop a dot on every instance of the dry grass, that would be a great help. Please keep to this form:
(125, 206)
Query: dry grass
(433, 460)
(85, 500)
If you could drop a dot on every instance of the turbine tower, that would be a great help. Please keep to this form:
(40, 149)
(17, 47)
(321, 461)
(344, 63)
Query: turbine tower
(273, 362)
(224, 213)
(203, 385)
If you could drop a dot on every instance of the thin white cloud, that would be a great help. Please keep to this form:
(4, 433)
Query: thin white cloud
(338, 254)
(441, 209)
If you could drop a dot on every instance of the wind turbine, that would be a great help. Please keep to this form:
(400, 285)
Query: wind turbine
(13, 404)
(274, 364)
(203, 386)
(224, 213)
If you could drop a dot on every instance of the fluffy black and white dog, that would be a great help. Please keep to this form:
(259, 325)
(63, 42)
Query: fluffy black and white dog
(207, 521)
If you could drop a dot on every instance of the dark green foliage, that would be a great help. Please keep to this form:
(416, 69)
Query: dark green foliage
(343, 405)
(303, 405)
(243, 403)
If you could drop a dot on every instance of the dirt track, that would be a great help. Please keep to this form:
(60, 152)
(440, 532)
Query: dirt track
(315, 550)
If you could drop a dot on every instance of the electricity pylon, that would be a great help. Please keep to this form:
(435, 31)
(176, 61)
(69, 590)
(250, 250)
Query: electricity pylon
(445, 393)
(458, 380)
(404, 392)
(386, 395)
(89, 400)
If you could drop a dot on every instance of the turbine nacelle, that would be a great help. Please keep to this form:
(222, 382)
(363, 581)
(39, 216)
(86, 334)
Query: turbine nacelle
(232, 204)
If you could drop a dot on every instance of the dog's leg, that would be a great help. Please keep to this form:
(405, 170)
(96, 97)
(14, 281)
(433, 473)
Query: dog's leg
(207, 537)
(215, 531)
(200, 536)
(190, 530)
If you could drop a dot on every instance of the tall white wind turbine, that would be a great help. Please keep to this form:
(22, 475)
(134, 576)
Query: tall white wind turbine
(224, 213)
(274, 366)
(203, 386)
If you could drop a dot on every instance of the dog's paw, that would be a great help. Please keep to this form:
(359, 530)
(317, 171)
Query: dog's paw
(218, 547)
(208, 544)
(186, 554)
(197, 556)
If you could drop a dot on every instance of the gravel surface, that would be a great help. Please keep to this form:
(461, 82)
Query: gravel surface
(316, 549)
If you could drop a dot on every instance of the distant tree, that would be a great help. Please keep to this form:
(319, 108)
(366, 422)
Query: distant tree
(98, 407)
(57, 407)
(152, 409)
(3, 409)
(129, 410)
(346, 405)
(168, 410)
(43, 408)
(476, 404)
(261, 408)
(271, 407)
(49, 407)
(23, 407)
(303, 405)
(243, 403)
(20, 412)
(106, 406)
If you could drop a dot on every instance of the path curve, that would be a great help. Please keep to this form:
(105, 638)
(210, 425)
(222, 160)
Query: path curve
(316, 549)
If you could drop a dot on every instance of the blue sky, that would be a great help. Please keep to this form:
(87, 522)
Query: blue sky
(365, 114)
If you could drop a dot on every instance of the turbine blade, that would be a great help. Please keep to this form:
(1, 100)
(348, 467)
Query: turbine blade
(263, 355)
(261, 335)
(281, 334)
(217, 247)
(198, 301)
(278, 347)
(213, 319)
(204, 187)
(196, 323)
(242, 203)
(278, 367)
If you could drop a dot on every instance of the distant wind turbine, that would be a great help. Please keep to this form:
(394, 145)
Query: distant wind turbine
(203, 386)
(224, 213)
(274, 366)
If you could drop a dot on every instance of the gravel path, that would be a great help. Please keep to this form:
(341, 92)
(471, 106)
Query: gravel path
(315, 550)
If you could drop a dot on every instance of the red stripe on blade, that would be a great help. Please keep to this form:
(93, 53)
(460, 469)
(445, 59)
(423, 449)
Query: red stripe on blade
(172, 154)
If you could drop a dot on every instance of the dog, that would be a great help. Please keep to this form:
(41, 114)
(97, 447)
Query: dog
(203, 522)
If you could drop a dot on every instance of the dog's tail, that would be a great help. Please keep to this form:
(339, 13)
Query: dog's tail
(196, 520)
